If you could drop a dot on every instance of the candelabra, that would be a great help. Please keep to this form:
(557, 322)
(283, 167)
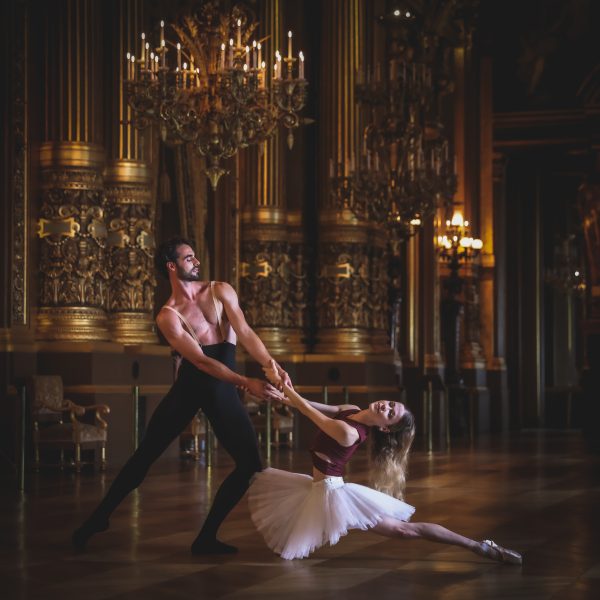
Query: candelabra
(217, 92)
(455, 246)
(404, 169)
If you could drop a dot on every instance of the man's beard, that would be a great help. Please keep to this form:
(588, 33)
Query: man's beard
(193, 275)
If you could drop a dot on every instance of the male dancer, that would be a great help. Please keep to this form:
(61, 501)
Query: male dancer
(201, 321)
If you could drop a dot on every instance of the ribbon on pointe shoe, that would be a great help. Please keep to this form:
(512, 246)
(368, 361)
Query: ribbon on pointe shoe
(506, 555)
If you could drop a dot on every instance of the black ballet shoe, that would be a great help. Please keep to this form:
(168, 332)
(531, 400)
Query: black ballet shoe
(500, 554)
(81, 536)
(213, 546)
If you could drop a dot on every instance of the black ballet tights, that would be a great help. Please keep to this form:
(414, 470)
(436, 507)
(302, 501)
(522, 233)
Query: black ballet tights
(233, 429)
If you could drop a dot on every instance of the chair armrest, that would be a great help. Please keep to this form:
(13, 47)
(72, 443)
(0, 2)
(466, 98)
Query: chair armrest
(78, 410)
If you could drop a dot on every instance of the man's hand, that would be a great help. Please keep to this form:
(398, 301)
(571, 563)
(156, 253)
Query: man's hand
(262, 389)
(277, 376)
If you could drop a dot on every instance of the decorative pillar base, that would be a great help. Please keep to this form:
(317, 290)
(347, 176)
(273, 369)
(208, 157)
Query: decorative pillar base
(74, 323)
(280, 340)
(130, 328)
(344, 340)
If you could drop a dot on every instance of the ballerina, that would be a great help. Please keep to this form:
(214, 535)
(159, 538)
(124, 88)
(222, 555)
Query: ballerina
(296, 513)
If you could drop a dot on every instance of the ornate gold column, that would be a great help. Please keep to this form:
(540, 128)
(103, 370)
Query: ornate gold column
(72, 227)
(128, 188)
(272, 272)
(345, 296)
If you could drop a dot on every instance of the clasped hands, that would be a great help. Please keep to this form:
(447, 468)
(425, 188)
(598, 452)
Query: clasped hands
(273, 390)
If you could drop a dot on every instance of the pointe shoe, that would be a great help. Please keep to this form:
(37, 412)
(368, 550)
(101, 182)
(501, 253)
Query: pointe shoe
(505, 555)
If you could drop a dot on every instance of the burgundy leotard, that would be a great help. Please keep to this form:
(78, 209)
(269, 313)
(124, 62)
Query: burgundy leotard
(338, 455)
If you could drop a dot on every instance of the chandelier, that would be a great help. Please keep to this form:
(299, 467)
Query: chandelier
(212, 87)
(404, 169)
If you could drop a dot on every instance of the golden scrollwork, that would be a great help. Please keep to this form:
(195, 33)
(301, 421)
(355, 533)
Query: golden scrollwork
(379, 301)
(274, 297)
(344, 286)
(73, 240)
(130, 252)
(19, 167)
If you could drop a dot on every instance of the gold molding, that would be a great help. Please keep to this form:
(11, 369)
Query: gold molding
(132, 328)
(63, 154)
(128, 172)
(71, 323)
(345, 340)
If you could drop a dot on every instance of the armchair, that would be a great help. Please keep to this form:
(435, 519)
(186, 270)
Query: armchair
(280, 415)
(48, 409)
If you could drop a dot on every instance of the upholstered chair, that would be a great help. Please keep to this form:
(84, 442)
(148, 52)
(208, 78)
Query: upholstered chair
(57, 424)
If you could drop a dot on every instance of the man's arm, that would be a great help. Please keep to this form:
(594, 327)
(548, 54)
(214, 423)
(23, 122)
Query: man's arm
(181, 341)
(246, 335)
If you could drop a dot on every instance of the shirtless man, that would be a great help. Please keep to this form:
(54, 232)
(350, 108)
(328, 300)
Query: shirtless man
(201, 321)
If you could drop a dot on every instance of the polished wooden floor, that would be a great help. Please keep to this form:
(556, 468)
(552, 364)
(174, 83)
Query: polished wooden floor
(538, 492)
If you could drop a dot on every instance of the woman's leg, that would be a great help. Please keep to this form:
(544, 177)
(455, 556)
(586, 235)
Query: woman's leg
(396, 528)
(391, 527)
(233, 428)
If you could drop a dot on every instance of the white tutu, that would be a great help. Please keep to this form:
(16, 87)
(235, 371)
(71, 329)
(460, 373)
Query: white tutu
(296, 515)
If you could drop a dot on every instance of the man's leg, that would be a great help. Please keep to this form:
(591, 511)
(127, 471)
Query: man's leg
(233, 428)
(169, 419)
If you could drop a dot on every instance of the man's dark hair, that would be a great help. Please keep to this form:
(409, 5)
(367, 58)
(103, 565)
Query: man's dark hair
(167, 252)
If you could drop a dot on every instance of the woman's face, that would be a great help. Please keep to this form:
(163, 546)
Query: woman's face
(386, 412)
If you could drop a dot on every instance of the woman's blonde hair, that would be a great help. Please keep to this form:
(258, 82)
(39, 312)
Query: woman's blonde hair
(389, 453)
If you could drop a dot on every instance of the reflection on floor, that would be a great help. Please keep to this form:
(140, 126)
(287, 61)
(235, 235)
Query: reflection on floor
(537, 492)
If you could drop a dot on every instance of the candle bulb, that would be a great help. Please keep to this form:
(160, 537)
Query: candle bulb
(147, 54)
(289, 44)
(230, 53)
(301, 65)
(254, 55)
(162, 33)
(259, 48)
(163, 53)
(128, 66)
(184, 76)
(179, 56)
(239, 33)
(247, 57)
(143, 47)
(222, 60)
(263, 74)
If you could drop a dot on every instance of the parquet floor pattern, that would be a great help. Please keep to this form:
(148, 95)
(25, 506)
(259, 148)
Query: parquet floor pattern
(538, 492)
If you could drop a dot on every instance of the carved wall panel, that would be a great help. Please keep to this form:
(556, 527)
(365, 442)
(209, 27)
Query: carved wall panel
(73, 287)
(344, 286)
(273, 289)
(131, 252)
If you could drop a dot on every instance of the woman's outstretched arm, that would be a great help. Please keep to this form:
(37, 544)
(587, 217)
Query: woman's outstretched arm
(341, 432)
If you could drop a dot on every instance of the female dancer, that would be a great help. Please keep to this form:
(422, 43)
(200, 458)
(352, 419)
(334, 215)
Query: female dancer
(297, 513)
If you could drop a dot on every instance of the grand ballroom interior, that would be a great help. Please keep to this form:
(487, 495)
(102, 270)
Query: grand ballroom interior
(405, 195)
